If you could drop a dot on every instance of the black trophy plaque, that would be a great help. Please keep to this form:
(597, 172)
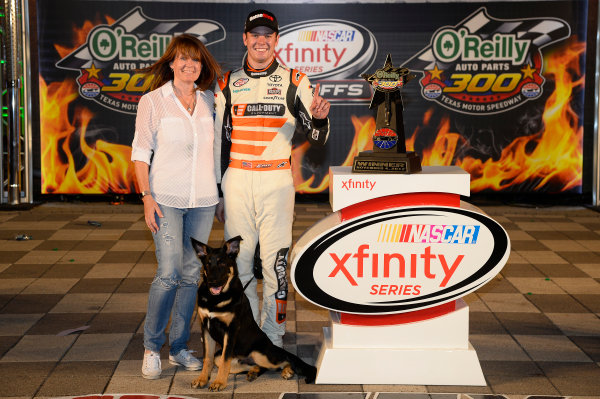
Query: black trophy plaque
(389, 147)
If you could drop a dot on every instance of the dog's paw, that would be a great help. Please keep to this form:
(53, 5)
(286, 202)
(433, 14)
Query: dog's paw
(311, 375)
(287, 373)
(253, 373)
(199, 383)
(217, 386)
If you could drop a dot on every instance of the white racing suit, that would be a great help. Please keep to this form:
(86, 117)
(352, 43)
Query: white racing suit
(257, 113)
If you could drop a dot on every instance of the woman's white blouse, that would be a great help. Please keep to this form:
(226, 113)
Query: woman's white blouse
(178, 147)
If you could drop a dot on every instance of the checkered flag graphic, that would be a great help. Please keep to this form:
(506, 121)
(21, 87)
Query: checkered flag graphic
(136, 23)
(540, 31)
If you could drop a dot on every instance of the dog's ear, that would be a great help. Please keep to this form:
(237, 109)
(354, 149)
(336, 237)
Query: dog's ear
(200, 248)
(232, 246)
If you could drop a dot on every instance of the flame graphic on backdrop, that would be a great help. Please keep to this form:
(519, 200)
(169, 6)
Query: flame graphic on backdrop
(551, 158)
(363, 127)
(80, 35)
(107, 167)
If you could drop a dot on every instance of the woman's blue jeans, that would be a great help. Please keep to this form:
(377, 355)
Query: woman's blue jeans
(173, 291)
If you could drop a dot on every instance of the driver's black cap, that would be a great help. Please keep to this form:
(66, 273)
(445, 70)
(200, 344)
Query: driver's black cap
(261, 18)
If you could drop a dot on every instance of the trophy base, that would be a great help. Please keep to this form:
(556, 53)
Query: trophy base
(386, 162)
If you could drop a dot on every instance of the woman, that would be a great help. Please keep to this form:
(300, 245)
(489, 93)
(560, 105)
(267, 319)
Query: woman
(174, 135)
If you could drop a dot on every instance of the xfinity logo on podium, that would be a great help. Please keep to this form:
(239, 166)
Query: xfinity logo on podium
(400, 260)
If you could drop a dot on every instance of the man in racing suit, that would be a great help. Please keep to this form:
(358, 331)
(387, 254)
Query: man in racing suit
(257, 109)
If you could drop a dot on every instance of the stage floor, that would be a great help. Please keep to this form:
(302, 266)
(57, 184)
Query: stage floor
(535, 327)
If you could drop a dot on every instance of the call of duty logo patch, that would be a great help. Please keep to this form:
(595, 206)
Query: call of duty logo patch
(108, 61)
(485, 65)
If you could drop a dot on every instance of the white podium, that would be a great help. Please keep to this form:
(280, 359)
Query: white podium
(423, 347)
(429, 352)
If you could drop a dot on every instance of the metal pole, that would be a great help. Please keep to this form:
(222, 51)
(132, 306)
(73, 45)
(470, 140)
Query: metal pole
(12, 16)
(2, 129)
(26, 148)
(14, 142)
(596, 161)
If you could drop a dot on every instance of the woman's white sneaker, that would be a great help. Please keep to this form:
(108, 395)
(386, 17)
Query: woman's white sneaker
(186, 359)
(151, 367)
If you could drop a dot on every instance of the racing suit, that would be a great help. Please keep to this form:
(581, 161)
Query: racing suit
(257, 113)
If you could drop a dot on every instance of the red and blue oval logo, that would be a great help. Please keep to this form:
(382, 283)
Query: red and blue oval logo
(398, 260)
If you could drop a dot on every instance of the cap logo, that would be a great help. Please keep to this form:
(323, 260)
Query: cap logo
(252, 18)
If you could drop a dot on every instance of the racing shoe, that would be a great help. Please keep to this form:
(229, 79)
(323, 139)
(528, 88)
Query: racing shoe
(151, 367)
(186, 359)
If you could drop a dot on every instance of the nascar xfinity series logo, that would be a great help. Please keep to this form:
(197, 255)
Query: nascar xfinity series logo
(111, 54)
(398, 260)
(331, 51)
(485, 65)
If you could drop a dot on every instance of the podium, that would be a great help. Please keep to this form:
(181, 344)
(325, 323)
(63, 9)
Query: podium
(387, 325)
(427, 352)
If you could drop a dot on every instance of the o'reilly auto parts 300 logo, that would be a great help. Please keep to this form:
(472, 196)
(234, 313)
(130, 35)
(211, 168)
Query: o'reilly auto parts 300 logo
(485, 65)
(111, 54)
(331, 51)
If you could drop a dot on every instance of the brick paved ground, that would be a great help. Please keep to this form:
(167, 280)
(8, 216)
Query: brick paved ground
(536, 327)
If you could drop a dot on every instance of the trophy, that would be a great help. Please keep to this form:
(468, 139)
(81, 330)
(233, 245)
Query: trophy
(389, 148)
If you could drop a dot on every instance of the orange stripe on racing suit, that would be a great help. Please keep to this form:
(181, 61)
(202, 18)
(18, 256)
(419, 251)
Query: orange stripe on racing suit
(252, 135)
(248, 149)
(261, 122)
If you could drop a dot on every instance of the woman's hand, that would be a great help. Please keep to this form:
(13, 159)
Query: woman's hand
(150, 209)
(220, 212)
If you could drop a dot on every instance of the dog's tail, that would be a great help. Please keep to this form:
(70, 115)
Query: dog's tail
(300, 367)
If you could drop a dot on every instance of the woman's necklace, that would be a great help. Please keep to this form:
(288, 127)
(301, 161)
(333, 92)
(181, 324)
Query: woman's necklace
(188, 105)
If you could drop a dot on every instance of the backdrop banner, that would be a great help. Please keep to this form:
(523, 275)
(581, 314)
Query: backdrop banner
(499, 91)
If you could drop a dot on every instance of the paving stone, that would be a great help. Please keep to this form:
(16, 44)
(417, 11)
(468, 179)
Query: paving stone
(39, 348)
(83, 377)
(23, 378)
(556, 348)
(527, 323)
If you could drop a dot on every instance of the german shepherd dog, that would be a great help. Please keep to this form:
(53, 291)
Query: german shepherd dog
(226, 319)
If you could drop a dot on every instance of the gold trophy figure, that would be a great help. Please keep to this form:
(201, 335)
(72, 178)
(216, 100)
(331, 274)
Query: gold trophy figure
(389, 148)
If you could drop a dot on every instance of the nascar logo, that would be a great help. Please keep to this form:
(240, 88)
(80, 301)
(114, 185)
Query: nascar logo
(427, 233)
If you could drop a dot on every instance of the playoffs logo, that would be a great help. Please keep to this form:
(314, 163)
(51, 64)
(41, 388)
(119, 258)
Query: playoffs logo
(400, 260)
(111, 54)
(485, 65)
